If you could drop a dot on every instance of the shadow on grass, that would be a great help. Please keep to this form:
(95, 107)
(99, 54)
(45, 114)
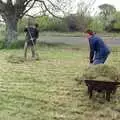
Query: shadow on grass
(45, 44)
(20, 45)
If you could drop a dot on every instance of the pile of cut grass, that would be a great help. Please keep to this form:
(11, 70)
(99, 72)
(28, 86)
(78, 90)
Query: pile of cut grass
(15, 59)
(101, 73)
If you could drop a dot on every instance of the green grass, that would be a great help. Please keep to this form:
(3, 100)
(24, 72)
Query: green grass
(75, 34)
(47, 90)
(78, 34)
(45, 36)
(67, 34)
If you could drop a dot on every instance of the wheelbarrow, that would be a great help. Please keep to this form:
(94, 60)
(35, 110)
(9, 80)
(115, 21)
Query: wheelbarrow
(102, 86)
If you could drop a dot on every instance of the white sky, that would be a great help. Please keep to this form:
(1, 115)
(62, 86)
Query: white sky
(115, 3)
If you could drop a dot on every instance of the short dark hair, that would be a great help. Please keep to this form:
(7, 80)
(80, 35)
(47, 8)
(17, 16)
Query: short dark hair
(89, 31)
(36, 25)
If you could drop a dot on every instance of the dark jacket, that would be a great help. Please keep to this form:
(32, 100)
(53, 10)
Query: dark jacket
(98, 48)
(31, 32)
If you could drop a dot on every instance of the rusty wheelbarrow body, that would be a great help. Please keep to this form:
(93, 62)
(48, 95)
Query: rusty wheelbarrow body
(102, 86)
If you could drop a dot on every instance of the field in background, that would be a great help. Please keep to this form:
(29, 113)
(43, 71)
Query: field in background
(60, 37)
(74, 38)
(77, 34)
(47, 90)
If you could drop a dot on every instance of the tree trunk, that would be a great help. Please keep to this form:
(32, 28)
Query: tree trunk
(11, 30)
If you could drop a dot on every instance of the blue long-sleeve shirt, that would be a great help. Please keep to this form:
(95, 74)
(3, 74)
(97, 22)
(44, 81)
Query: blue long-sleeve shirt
(98, 48)
(31, 32)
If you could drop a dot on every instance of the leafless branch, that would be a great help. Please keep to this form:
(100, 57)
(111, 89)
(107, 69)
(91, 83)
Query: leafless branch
(9, 2)
(2, 6)
(48, 9)
(29, 15)
(1, 2)
(27, 2)
(29, 8)
(55, 6)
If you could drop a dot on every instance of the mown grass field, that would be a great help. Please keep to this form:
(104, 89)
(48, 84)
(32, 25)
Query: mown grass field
(46, 89)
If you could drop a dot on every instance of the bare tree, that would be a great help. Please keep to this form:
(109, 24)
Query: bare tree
(107, 10)
(83, 16)
(13, 10)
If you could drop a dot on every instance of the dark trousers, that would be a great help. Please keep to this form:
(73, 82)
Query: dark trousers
(101, 60)
(31, 45)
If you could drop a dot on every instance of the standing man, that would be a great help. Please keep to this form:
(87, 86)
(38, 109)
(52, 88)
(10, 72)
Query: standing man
(32, 33)
(98, 49)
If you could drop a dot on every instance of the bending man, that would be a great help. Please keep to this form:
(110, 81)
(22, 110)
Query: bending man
(98, 49)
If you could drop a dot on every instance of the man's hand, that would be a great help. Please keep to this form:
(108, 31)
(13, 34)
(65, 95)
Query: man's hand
(31, 39)
(91, 61)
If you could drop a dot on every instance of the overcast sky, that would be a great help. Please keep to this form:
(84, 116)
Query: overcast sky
(116, 4)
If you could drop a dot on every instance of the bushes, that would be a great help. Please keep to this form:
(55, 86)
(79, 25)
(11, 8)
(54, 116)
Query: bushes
(74, 22)
(51, 24)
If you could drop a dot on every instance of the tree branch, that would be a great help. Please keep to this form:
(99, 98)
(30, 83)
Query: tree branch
(48, 9)
(27, 2)
(1, 2)
(2, 6)
(29, 8)
(9, 2)
(56, 6)
(29, 15)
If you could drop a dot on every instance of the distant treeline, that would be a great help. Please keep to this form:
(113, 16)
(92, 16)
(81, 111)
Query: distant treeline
(74, 22)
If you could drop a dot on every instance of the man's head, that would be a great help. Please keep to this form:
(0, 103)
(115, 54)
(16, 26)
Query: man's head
(89, 33)
(36, 25)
